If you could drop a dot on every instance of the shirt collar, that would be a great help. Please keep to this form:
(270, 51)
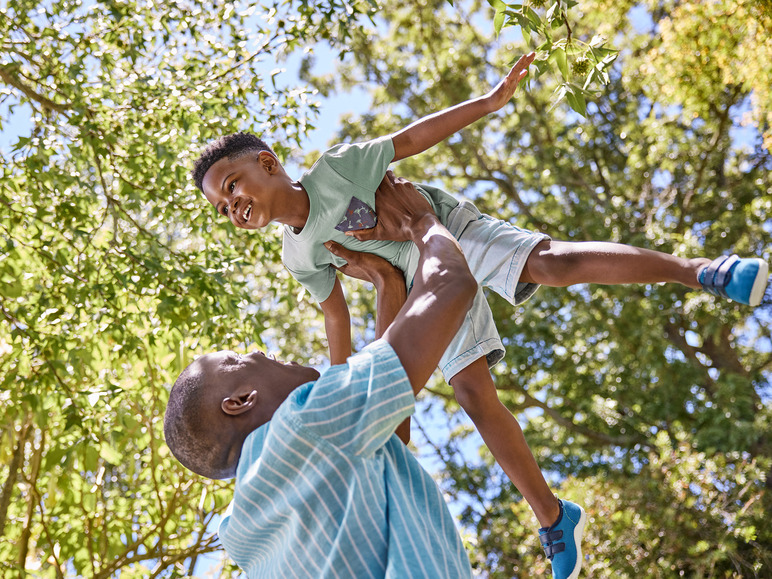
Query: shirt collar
(252, 448)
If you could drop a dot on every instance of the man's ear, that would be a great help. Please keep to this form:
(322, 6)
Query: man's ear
(236, 404)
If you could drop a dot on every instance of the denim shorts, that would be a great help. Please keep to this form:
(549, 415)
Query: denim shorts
(496, 252)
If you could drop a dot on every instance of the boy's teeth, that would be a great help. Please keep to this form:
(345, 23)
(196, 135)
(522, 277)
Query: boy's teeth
(247, 213)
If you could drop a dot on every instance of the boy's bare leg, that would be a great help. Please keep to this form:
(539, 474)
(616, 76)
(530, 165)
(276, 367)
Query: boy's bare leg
(476, 393)
(563, 263)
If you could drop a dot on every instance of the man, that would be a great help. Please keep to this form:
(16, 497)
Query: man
(324, 488)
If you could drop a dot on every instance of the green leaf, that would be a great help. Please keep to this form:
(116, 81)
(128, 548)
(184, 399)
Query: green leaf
(534, 18)
(576, 100)
(559, 57)
(590, 78)
(109, 453)
(558, 95)
(498, 21)
(551, 12)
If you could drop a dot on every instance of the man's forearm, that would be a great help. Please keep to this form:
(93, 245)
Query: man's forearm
(443, 286)
(428, 229)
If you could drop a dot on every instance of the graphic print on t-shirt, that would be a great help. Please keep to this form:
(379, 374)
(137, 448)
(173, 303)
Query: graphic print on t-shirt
(359, 215)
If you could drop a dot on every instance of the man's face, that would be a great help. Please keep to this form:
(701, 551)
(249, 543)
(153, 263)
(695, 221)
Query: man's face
(246, 190)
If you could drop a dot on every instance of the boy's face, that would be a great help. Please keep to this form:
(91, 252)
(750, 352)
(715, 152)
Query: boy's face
(247, 190)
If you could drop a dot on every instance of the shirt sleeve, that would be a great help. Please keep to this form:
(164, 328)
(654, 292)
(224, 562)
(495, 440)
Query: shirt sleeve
(318, 283)
(363, 163)
(358, 405)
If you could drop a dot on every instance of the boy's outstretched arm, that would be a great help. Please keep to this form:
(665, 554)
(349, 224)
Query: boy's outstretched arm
(337, 324)
(428, 131)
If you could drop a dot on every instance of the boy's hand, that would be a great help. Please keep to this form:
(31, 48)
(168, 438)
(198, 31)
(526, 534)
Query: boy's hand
(503, 91)
(399, 206)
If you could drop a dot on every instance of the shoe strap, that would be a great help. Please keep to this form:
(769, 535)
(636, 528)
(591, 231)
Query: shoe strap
(550, 537)
(552, 549)
(718, 274)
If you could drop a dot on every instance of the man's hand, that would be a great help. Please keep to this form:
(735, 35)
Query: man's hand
(503, 91)
(400, 207)
(365, 266)
(389, 282)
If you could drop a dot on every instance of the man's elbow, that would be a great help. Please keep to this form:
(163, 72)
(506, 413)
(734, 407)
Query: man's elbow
(467, 286)
(460, 283)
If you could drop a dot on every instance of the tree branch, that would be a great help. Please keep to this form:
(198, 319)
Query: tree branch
(8, 77)
(32, 481)
(606, 439)
(13, 472)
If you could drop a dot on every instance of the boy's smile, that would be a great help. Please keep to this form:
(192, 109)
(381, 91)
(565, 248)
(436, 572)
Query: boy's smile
(253, 190)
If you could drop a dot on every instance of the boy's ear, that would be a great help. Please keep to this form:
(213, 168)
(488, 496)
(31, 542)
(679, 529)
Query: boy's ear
(268, 161)
(236, 404)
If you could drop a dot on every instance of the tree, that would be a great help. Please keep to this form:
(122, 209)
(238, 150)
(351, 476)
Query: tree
(112, 271)
(649, 404)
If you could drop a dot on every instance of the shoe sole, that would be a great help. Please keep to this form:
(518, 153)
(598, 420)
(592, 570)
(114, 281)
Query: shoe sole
(759, 284)
(578, 534)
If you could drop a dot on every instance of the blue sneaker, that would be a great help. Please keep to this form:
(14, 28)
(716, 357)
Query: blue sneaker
(741, 280)
(562, 541)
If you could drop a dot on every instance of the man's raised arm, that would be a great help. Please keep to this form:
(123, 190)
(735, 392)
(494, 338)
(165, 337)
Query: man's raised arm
(443, 286)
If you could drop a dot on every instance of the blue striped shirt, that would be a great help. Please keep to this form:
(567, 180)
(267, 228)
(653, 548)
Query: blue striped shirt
(326, 489)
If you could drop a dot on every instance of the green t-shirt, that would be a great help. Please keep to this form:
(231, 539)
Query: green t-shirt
(343, 172)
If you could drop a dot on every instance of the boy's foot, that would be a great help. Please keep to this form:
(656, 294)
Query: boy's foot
(562, 541)
(741, 280)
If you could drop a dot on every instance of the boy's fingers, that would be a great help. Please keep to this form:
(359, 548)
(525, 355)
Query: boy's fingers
(525, 61)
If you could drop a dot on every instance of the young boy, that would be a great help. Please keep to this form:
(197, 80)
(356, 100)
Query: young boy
(242, 178)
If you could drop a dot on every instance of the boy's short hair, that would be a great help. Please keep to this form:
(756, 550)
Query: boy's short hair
(198, 448)
(231, 146)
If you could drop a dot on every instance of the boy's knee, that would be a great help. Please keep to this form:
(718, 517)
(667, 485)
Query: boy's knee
(463, 392)
(473, 395)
